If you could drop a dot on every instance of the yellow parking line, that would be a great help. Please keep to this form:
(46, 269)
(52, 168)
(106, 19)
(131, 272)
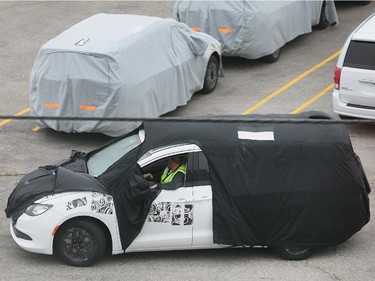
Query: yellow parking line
(251, 109)
(22, 112)
(291, 83)
(315, 98)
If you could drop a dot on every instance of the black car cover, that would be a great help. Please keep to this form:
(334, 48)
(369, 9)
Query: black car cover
(131, 193)
(45, 181)
(301, 186)
(273, 183)
(132, 197)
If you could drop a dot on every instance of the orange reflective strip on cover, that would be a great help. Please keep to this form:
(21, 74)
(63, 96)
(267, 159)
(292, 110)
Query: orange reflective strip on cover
(52, 105)
(196, 29)
(225, 30)
(87, 107)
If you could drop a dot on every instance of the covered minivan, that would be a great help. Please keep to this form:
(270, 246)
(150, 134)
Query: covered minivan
(255, 29)
(354, 80)
(120, 66)
(250, 181)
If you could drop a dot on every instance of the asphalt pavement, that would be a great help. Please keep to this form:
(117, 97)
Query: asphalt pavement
(297, 82)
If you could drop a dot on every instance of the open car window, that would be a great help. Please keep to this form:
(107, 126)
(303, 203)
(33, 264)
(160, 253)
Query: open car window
(155, 160)
(157, 167)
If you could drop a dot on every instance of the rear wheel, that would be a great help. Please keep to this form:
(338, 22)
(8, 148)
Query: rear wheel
(80, 243)
(212, 75)
(295, 253)
(272, 57)
(323, 21)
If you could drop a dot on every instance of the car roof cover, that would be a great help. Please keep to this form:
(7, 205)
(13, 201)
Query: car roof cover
(273, 184)
(100, 33)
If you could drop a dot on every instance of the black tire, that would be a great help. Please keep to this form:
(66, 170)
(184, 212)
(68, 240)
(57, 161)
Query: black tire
(320, 116)
(323, 22)
(344, 117)
(363, 2)
(80, 243)
(272, 57)
(212, 75)
(294, 254)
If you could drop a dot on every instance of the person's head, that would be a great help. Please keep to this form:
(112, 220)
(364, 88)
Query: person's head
(175, 162)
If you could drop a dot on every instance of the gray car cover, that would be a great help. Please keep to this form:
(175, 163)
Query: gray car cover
(117, 66)
(253, 29)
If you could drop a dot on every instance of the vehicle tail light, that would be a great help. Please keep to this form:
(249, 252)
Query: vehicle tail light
(336, 79)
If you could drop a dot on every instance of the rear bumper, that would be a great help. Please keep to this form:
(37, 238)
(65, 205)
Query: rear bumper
(345, 109)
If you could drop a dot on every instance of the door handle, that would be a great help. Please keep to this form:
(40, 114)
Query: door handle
(182, 200)
(203, 198)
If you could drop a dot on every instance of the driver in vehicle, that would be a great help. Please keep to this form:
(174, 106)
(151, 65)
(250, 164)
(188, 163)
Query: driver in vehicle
(173, 176)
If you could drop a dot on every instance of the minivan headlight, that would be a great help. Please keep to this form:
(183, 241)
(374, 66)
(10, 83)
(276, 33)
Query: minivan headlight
(37, 209)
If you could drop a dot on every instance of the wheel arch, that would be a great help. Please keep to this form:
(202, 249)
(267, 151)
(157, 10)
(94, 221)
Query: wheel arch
(101, 224)
(216, 54)
(220, 60)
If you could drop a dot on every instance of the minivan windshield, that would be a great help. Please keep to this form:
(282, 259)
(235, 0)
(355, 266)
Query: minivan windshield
(103, 159)
(360, 54)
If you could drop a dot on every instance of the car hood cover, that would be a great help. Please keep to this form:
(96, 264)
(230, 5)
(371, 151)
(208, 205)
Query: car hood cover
(48, 180)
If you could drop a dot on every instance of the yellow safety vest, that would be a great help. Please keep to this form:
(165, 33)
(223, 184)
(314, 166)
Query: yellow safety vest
(167, 176)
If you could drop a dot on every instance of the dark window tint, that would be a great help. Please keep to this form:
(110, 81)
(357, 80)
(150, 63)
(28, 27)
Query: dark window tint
(201, 170)
(360, 55)
(189, 170)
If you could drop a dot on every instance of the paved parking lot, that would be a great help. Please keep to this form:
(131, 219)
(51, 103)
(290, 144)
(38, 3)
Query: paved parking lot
(301, 80)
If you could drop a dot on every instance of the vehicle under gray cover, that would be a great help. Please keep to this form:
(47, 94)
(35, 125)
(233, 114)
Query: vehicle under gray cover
(117, 66)
(253, 29)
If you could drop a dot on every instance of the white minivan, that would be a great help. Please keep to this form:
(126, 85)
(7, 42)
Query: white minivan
(354, 81)
(289, 186)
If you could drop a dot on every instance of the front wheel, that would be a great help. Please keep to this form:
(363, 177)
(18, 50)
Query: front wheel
(80, 243)
(295, 254)
(212, 75)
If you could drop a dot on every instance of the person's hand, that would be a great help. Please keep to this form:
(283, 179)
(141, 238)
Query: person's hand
(154, 186)
(148, 176)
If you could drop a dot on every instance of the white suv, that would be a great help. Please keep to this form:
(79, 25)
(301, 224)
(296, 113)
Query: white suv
(354, 92)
